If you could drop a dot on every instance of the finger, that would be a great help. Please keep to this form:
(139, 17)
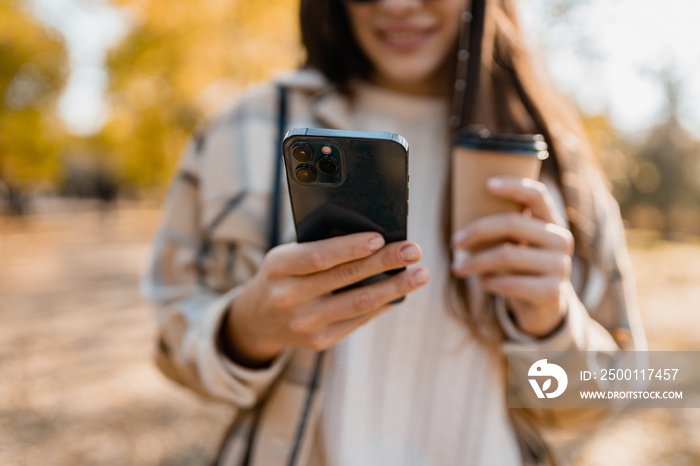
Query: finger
(332, 334)
(360, 301)
(391, 257)
(529, 193)
(510, 258)
(316, 256)
(532, 289)
(516, 228)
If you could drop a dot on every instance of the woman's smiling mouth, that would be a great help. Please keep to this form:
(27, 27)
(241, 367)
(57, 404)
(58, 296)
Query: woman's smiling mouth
(404, 38)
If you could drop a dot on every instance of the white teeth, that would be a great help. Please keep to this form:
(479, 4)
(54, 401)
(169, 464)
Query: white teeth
(404, 36)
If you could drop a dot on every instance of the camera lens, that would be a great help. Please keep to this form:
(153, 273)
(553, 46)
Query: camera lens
(306, 174)
(328, 165)
(303, 153)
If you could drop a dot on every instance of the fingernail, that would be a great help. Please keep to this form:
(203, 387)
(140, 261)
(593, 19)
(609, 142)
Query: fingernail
(459, 237)
(409, 253)
(460, 258)
(421, 276)
(496, 183)
(376, 243)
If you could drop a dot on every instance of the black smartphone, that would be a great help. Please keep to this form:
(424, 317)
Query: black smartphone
(343, 182)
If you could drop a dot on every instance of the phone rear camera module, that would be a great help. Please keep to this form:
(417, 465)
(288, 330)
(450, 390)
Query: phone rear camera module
(328, 165)
(303, 153)
(306, 174)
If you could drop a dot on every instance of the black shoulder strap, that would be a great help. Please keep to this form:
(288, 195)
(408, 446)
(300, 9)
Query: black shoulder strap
(274, 238)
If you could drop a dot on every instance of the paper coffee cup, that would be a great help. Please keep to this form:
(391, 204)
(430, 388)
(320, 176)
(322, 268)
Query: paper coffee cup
(478, 155)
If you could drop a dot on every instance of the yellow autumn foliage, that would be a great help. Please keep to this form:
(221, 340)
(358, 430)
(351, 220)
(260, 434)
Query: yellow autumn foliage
(180, 62)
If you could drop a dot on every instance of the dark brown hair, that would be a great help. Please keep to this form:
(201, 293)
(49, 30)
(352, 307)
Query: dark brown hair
(512, 97)
(330, 44)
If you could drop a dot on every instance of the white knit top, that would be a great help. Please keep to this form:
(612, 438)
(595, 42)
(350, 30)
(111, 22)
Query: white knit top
(413, 387)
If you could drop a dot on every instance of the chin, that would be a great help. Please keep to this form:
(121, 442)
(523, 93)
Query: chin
(409, 75)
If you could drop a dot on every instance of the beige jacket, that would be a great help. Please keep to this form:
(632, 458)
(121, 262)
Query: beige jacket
(212, 238)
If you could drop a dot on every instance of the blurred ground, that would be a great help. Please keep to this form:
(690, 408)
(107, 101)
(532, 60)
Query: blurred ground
(77, 385)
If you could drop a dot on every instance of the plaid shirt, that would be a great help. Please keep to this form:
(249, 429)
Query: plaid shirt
(213, 237)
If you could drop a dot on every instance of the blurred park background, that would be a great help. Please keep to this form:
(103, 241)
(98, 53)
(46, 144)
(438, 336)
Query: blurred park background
(97, 97)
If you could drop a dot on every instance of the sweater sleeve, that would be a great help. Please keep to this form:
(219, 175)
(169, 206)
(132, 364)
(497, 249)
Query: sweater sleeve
(191, 279)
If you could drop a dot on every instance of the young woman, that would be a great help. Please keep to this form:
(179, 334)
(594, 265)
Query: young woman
(420, 382)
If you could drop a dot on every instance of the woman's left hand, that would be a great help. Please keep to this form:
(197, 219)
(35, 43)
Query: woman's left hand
(532, 267)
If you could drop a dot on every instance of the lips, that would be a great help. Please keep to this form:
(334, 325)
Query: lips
(404, 38)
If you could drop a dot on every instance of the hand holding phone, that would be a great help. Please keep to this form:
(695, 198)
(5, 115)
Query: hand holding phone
(290, 300)
(349, 196)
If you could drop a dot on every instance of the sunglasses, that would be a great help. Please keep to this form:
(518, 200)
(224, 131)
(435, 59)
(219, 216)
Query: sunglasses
(360, 1)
